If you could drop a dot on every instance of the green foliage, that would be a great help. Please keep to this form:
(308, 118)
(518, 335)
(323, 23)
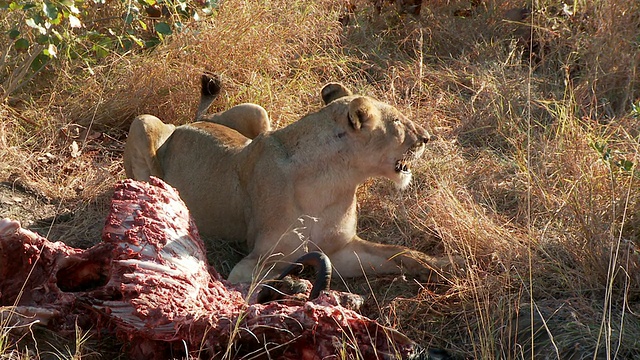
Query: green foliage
(635, 110)
(614, 159)
(37, 33)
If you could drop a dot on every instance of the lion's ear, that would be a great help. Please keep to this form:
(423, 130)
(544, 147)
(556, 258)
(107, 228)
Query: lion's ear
(363, 113)
(333, 91)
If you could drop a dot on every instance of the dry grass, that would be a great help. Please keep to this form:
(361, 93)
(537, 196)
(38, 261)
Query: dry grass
(533, 177)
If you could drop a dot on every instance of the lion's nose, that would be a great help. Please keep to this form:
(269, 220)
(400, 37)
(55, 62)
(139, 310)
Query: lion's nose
(426, 138)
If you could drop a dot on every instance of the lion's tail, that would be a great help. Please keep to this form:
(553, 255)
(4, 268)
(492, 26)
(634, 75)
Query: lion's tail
(211, 84)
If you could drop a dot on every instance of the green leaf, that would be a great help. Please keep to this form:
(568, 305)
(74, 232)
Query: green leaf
(100, 51)
(124, 44)
(50, 10)
(182, 5)
(57, 20)
(39, 62)
(626, 165)
(94, 35)
(13, 34)
(128, 18)
(31, 22)
(42, 39)
(137, 40)
(74, 22)
(35, 22)
(51, 51)
(151, 42)
(21, 44)
(56, 35)
(635, 110)
(163, 28)
(599, 147)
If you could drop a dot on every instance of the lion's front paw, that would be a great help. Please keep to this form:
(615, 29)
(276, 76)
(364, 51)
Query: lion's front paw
(430, 268)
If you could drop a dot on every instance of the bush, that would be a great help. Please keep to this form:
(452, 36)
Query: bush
(39, 32)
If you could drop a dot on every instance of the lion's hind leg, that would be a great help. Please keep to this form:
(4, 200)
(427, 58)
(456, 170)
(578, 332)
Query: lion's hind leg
(146, 134)
(248, 119)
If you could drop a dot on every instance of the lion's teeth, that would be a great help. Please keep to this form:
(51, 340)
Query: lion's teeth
(401, 166)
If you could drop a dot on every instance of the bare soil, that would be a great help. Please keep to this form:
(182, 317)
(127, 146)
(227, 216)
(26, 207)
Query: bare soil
(77, 224)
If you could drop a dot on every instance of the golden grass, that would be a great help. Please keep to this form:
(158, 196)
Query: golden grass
(533, 176)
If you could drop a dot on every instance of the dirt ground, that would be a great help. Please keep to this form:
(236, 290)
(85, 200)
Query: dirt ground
(77, 224)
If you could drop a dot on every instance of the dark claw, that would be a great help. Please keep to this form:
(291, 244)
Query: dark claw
(280, 288)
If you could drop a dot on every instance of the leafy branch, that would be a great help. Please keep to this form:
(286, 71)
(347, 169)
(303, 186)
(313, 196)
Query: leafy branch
(38, 33)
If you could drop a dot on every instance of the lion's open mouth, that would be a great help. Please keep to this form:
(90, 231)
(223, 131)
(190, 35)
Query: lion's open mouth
(402, 166)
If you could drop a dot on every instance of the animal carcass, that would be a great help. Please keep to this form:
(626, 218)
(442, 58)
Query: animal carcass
(149, 282)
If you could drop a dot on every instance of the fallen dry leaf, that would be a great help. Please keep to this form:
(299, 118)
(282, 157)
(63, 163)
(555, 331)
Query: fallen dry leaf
(75, 150)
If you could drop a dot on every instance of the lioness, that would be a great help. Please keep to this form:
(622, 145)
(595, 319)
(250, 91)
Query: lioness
(256, 190)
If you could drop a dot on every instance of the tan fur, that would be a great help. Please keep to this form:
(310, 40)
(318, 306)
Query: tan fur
(248, 119)
(140, 159)
(292, 190)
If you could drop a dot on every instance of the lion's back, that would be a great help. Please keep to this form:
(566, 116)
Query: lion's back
(200, 161)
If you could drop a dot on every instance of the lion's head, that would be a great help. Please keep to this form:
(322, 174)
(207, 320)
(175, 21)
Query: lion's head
(389, 139)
